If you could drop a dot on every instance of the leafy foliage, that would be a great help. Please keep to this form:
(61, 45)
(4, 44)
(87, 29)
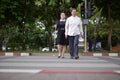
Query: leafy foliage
(19, 28)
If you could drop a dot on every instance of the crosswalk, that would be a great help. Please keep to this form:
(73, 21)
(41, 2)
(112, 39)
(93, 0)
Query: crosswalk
(51, 64)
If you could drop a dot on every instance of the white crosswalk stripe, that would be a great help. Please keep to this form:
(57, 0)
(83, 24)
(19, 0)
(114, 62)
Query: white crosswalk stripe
(35, 64)
(19, 71)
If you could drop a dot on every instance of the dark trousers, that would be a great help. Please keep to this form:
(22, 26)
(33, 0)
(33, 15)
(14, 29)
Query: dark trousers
(73, 45)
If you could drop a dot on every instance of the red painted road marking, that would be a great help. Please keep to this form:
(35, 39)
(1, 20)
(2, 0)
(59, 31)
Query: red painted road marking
(62, 71)
(80, 71)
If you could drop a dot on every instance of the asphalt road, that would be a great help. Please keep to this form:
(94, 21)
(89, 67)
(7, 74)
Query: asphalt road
(52, 68)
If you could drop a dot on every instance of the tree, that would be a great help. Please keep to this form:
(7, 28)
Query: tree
(111, 12)
(14, 16)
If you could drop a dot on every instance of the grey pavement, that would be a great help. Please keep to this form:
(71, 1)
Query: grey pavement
(30, 67)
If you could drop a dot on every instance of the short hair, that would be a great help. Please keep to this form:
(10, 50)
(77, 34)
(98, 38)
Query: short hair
(73, 9)
(61, 13)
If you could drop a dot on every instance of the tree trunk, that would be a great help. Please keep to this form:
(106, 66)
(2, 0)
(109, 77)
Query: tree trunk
(50, 41)
(95, 35)
(6, 40)
(1, 40)
(23, 46)
(110, 29)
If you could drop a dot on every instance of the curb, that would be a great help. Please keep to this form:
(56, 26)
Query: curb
(14, 54)
(101, 54)
(84, 54)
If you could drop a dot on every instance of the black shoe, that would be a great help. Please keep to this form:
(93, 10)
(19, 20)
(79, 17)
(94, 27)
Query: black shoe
(71, 57)
(63, 57)
(77, 57)
(59, 56)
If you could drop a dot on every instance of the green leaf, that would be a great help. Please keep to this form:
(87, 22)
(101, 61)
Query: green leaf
(2, 16)
(19, 18)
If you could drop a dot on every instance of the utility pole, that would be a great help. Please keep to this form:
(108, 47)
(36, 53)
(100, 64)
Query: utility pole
(85, 43)
(87, 10)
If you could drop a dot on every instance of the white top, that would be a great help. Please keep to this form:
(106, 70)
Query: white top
(73, 26)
